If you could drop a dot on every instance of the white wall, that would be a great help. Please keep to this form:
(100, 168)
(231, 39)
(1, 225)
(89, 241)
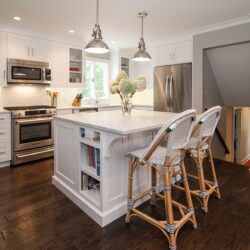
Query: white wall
(24, 95)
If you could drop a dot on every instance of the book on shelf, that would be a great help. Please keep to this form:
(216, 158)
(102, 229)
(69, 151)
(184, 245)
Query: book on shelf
(94, 159)
(89, 183)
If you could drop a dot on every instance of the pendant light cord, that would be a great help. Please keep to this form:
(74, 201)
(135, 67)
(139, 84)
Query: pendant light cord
(142, 26)
(97, 11)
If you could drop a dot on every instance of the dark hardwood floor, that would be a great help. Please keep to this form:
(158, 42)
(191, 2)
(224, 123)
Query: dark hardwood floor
(35, 215)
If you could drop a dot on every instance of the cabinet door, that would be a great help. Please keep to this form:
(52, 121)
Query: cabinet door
(18, 46)
(166, 55)
(183, 52)
(176, 53)
(59, 65)
(40, 50)
(3, 59)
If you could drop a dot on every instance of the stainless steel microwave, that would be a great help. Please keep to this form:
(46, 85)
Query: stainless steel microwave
(28, 72)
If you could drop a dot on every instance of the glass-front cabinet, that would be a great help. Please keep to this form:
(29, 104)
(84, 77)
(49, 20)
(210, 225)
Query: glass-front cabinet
(75, 65)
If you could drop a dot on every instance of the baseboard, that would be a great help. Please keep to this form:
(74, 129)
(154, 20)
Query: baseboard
(245, 159)
(4, 164)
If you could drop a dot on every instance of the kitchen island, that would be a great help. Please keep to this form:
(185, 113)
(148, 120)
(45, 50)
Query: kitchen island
(91, 162)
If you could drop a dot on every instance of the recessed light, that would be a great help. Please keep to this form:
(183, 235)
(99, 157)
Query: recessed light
(113, 42)
(17, 18)
(71, 31)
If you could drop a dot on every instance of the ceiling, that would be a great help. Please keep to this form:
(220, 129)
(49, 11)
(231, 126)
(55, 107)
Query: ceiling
(230, 65)
(118, 19)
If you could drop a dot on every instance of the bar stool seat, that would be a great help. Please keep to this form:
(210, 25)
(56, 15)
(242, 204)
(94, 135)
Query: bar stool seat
(162, 161)
(157, 157)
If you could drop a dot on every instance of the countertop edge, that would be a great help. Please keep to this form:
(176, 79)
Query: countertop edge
(114, 131)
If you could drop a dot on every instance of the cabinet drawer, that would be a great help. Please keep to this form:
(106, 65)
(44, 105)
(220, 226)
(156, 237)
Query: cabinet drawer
(5, 153)
(4, 133)
(5, 119)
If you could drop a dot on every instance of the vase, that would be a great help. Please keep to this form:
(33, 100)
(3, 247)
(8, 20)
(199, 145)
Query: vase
(54, 101)
(126, 105)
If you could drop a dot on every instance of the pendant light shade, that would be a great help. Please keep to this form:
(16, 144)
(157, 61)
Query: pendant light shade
(142, 55)
(97, 45)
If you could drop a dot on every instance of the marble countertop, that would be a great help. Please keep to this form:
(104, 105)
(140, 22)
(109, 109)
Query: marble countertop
(115, 122)
(87, 106)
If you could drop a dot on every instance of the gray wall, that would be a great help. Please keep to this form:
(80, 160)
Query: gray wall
(211, 92)
(222, 37)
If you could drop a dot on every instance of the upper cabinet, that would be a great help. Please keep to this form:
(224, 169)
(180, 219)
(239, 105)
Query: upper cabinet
(67, 65)
(3, 56)
(27, 48)
(175, 53)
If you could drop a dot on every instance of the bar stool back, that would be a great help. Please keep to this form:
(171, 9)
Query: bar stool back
(163, 160)
(200, 148)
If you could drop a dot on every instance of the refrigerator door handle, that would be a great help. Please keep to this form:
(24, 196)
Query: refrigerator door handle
(167, 92)
(171, 93)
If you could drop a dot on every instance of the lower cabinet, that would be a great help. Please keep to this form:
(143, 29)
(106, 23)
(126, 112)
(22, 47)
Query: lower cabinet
(5, 140)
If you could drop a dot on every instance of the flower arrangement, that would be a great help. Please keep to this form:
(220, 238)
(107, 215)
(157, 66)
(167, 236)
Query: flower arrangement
(126, 89)
(53, 95)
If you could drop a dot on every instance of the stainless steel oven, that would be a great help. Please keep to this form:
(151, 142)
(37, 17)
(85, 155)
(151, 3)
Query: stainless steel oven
(28, 72)
(32, 133)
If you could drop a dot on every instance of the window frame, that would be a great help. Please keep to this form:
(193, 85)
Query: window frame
(106, 87)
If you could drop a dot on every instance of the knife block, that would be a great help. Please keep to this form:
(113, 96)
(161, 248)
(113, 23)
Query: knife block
(76, 102)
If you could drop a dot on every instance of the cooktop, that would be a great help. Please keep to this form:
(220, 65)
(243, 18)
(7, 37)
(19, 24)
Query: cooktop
(29, 107)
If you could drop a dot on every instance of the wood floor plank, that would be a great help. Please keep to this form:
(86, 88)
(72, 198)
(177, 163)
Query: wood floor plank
(35, 215)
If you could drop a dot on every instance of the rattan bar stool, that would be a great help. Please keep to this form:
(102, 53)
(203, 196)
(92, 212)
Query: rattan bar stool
(163, 161)
(199, 147)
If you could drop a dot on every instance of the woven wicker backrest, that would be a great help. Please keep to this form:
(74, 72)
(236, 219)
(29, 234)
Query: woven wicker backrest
(175, 134)
(207, 122)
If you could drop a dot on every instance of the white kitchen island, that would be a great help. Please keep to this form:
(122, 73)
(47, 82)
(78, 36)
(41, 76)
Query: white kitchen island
(91, 162)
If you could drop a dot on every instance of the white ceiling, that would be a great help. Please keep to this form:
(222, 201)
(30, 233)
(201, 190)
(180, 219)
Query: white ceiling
(119, 19)
(231, 68)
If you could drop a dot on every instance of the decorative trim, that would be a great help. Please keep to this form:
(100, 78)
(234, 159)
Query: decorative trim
(168, 188)
(170, 228)
(190, 210)
(222, 25)
(203, 195)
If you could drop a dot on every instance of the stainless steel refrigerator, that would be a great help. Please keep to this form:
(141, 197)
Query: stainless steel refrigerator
(173, 87)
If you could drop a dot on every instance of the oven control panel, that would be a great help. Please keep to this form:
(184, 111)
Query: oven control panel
(33, 113)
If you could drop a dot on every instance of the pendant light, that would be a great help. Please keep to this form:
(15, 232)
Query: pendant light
(97, 45)
(142, 55)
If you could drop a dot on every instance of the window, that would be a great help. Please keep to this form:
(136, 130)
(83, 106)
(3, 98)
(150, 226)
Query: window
(96, 79)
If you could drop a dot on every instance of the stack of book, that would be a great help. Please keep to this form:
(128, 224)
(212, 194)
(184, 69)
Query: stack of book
(94, 159)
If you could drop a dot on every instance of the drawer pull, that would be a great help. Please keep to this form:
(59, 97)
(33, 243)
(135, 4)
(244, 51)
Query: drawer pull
(2, 133)
(1, 153)
(1, 118)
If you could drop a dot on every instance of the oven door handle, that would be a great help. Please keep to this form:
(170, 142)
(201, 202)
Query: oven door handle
(30, 121)
(35, 153)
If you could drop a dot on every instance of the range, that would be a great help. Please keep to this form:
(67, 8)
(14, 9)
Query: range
(32, 133)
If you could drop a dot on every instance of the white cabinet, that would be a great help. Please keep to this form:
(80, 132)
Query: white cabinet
(67, 65)
(175, 53)
(5, 140)
(59, 64)
(3, 59)
(28, 48)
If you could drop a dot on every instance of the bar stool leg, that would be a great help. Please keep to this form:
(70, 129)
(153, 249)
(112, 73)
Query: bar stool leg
(188, 194)
(130, 186)
(210, 158)
(170, 227)
(153, 183)
(200, 171)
